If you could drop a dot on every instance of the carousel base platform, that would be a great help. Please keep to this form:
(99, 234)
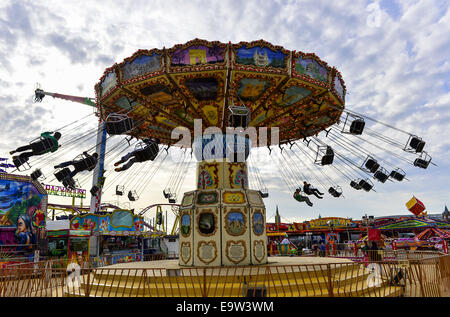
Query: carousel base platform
(280, 277)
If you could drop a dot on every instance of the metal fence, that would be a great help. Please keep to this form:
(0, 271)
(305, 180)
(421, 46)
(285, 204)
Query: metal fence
(424, 277)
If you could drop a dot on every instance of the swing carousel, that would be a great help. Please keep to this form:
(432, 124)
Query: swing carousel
(222, 102)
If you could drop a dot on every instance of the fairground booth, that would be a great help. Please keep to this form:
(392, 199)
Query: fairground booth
(116, 237)
(23, 206)
(69, 244)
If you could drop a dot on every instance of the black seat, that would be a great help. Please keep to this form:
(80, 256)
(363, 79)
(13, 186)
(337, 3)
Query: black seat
(119, 190)
(264, 194)
(421, 163)
(327, 159)
(372, 165)
(355, 185)
(365, 185)
(119, 125)
(417, 144)
(62, 174)
(131, 197)
(36, 174)
(397, 176)
(357, 126)
(69, 183)
(333, 192)
(382, 177)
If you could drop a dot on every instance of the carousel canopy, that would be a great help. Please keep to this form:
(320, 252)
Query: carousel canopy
(269, 86)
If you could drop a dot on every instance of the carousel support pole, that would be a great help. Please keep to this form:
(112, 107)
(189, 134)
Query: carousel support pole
(99, 169)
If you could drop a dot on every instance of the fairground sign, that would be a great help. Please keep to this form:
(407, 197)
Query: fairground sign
(56, 190)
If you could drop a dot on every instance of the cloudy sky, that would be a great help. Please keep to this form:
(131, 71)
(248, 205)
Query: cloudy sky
(393, 56)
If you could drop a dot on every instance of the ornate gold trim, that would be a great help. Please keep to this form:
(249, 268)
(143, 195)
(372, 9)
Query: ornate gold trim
(188, 244)
(236, 242)
(213, 243)
(263, 247)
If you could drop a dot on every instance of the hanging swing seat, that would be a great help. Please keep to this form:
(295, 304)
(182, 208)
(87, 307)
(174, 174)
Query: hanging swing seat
(264, 193)
(239, 116)
(356, 127)
(423, 161)
(355, 185)
(62, 174)
(118, 124)
(398, 174)
(371, 165)
(324, 155)
(414, 144)
(37, 174)
(21, 163)
(381, 175)
(120, 189)
(335, 191)
(132, 195)
(366, 184)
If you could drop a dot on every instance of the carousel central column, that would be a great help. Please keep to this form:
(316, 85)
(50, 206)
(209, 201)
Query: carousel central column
(222, 222)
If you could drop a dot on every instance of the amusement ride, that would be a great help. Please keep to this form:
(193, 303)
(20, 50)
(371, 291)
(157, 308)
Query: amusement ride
(232, 101)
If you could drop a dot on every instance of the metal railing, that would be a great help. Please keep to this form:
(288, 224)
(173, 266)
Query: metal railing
(425, 277)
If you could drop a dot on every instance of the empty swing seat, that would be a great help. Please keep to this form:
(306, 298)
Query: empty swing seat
(264, 194)
(357, 126)
(397, 175)
(327, 159)
(36, 174)
(365, 185)
(119, 125)
(119, 190)
(333, 192)
(355, 185)
(421, 163)
(372, 165)
(132, 196)
(382, 177)
(417, 144)
(239, 117)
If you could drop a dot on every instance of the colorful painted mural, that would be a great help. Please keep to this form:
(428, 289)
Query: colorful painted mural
(118, 221)
(261, 57)
(22, 206)
(160, 94)
(311, 68)
(235, 223)
(338, 86)
(108, 83)
(251, 89)
(185, 224)
(197, 54)
(203, 88)
(141, 65)
(291, 96)
(258, 223)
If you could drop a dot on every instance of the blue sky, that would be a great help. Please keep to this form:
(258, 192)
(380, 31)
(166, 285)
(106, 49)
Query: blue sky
(393, 56)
